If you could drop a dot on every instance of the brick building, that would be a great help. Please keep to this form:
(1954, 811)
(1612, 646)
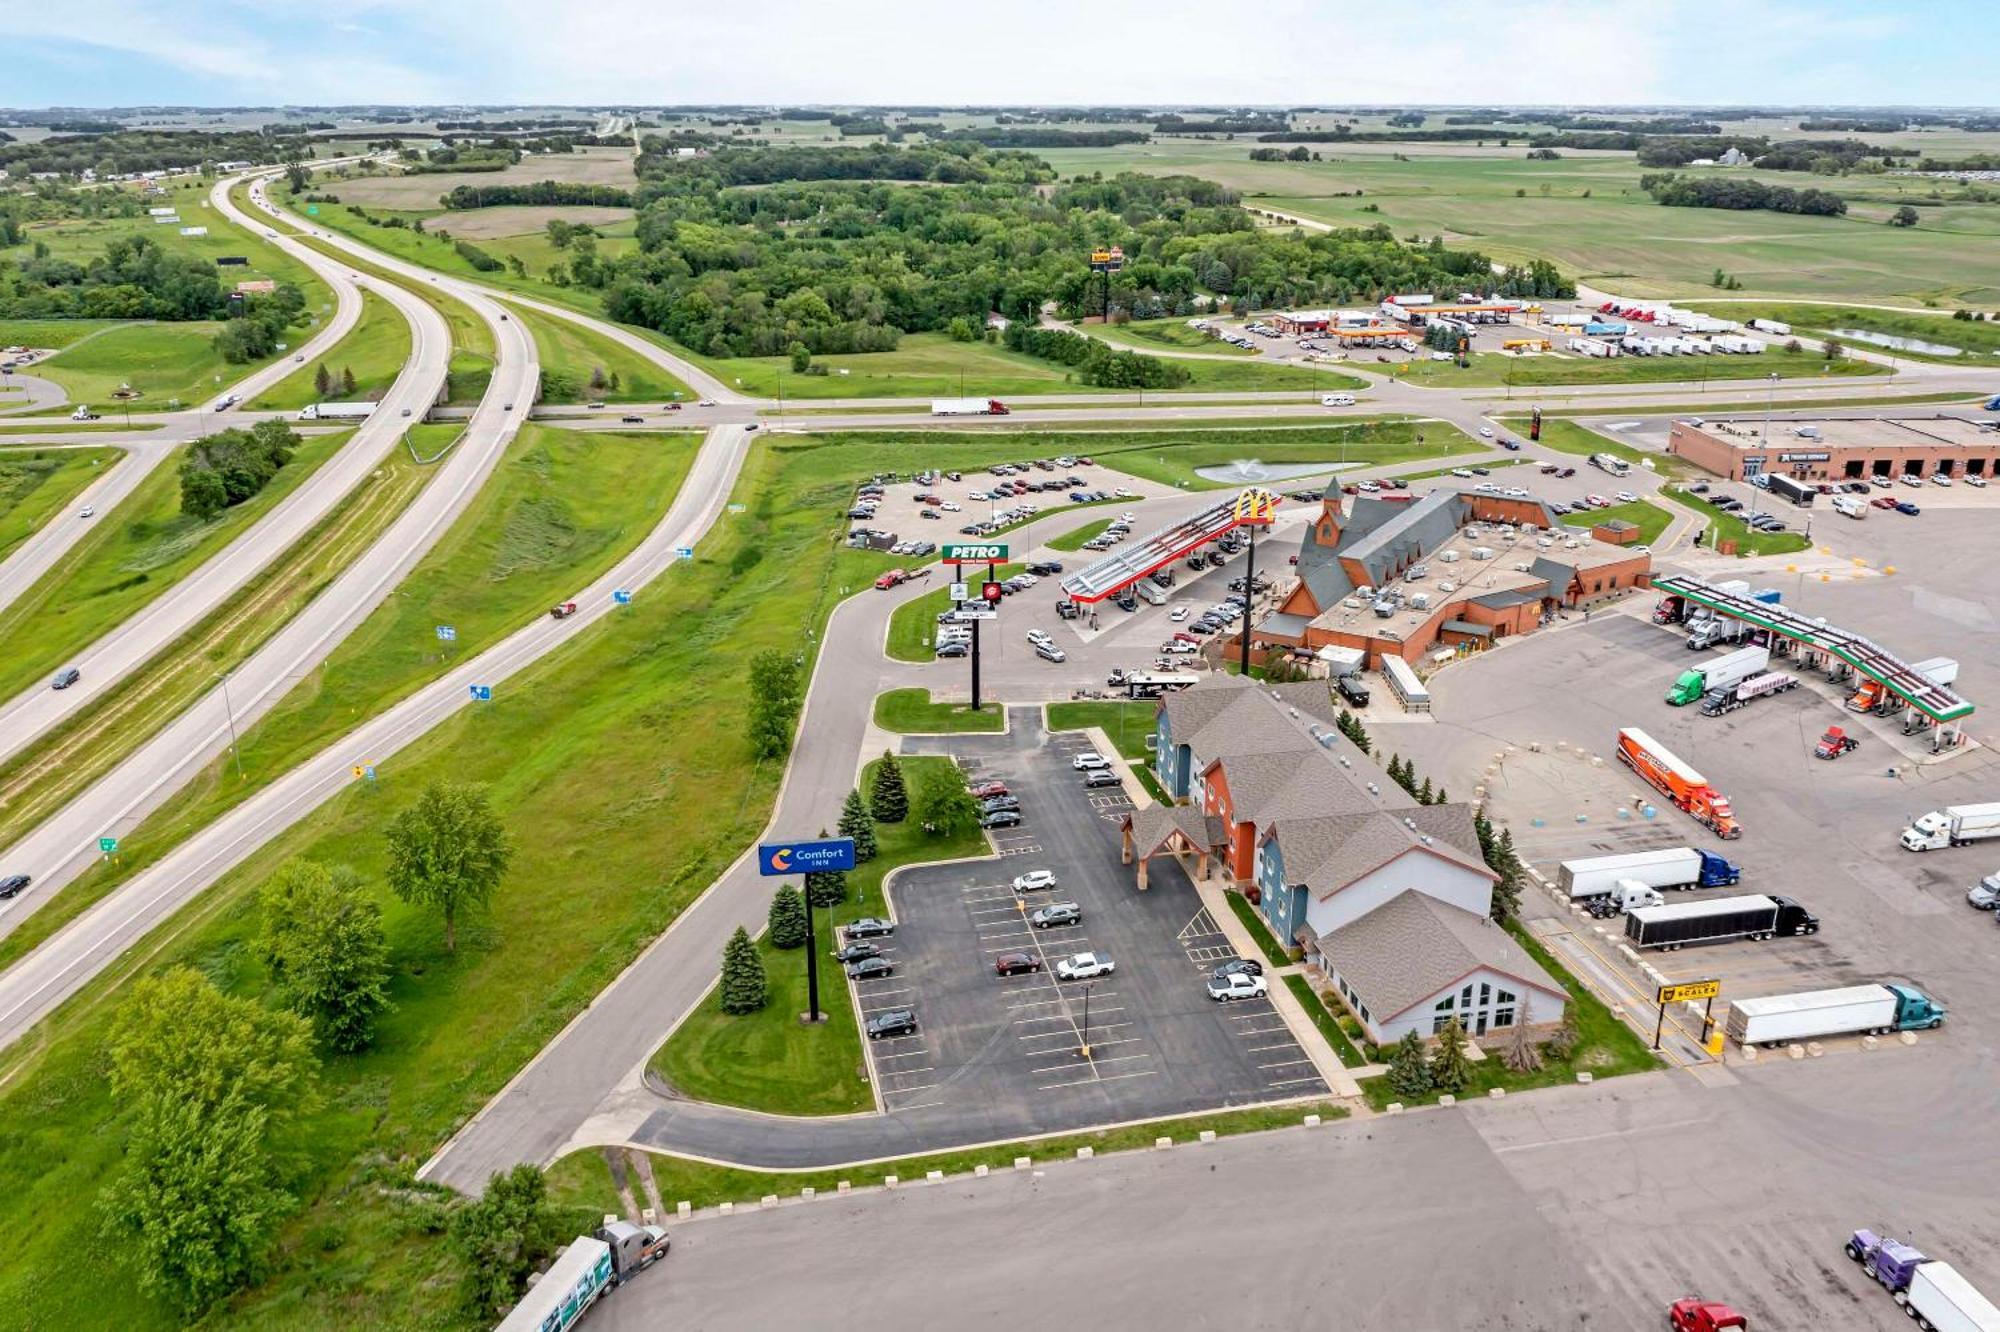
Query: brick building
(1840, 449)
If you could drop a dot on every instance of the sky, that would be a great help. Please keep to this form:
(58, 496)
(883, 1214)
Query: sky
(955, 52)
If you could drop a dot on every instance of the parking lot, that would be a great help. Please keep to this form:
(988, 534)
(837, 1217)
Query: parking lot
(1006, 1049)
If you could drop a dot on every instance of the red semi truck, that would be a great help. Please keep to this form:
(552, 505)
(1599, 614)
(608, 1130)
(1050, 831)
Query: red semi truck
(1683, 787)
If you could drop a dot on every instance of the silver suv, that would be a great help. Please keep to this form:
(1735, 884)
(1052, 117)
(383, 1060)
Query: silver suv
(1986, 893)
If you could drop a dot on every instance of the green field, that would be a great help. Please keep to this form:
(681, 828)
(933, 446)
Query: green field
(170, 365)
(1494, 370)
(1650, 519)
(630, 725)
(1978, 340)
(572, 356)
(915, 712)
(132, 555)
(1128, 725)
(36, 484)
(376, 350)
(913, 624)
(1588, 215)
(767, 1060)
(46, 333)
(1171, 459)
(1581, 441)
(1165, 335)
(1728, 527)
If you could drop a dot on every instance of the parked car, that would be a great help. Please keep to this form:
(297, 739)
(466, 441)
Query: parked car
(1087, 761)
(1084, 966)
(895, 1022)
(1101, 777)
(1049, 652)
(871, 968)
(858, 951)
(1236, 966)
(870, 927)
(998, 803)
(955, 647)
(1016, 964)
(1034, 881)
(1908, 509)
(1976, 481)
(1237, 985)
(1001, 818)
(1056, 914)
(987, 790)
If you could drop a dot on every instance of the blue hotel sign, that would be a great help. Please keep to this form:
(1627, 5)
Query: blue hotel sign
(776, 859)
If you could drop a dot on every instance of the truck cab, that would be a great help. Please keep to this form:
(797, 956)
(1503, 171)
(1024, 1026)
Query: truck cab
(1717, 872)
(633, 1248)
(1915, 1010)
(1698, 1315)
(1889, 1262)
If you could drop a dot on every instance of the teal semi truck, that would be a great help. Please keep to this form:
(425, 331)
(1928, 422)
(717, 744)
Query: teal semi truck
(1724, 672)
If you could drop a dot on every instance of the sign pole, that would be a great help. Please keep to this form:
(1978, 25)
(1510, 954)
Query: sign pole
(1659, 1023)
(1249, 597)
(812, 958)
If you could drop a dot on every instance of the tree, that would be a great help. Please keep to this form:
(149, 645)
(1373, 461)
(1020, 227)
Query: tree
(745, 988)
(500, 1237)
(448, 852)
(1424, 792)
(1409, 1074)
(204, 1077)
(788, 918)
(322, 381)
(1832, 350)
(1521, 1054)
(826, 888)
(858, 823)
(322, 942)
(1563, 1044)
(1905, 216)
(1449, 1067)
(598, 379)
(202, 493)
(802, 358)
(774, 702)
(890, 800)
(943, 806)
(1503, 861)
(347, 381)
(1440, 798)
(298, 178)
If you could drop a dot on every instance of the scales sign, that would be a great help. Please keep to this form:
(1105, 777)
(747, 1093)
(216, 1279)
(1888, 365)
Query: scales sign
(974, 553)
(781, 858)
(1673, 994)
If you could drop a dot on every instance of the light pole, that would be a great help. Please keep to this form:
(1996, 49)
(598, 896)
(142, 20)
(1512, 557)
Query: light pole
(1083, 1046)
(229, 710)
(1770, 401)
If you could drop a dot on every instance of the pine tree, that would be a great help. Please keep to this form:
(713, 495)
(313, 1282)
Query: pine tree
(826, 888)
(1359, 735)
(745, 988)
(858, 823)
(1396, 769)
(322, 381)
(1449, 1067)
(1424, 792)
(891, 798)
(1408, 1074)
(788, 918)
(1440, 798)
(1521, 1054)
(614, 381)
(1563, 1044)
(347, 380)
(1482, 828)
(1345, 723)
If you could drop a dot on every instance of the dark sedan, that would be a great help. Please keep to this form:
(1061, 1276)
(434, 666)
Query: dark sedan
(895, 1022)
(857, 952)
(1016, 964)
(870, 927)
(871, 968)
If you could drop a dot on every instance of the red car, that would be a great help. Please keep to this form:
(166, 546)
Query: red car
(1696, 1315)
(987, 790)
(891, 579)
(1883, 502)
(1014, 964)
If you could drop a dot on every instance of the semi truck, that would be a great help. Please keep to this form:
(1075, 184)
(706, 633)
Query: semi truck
(1719, 701)
(337, 411)
(968, 407)
(1890, 1263)
(582, 1274)
(1782, 330)
(1940, 1300)
(1753, 916)
(1684, 788)
(1954, 825)
(1809, 1015)
(1725, 672)
(1669, 868)
(1625, 895)
(1801, 493)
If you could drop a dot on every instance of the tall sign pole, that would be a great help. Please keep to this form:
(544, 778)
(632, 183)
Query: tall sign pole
(786, 859)
(1105, 263)
(1254, 509)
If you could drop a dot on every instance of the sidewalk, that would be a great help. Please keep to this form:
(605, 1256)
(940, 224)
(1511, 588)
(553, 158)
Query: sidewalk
(1303, 1029)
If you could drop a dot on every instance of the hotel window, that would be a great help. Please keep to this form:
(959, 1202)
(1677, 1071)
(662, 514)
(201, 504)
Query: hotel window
(1503, 1017)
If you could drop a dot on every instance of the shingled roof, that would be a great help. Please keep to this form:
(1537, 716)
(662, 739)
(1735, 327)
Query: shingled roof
(1412, 946)
(1328, 852)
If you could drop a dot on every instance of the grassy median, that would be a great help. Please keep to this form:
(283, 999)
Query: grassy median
(38, 484)
(915, 712)
(1128, 724)
(375, 350)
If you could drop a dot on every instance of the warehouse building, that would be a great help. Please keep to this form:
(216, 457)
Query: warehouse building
(1465, 569)
(1840, 449)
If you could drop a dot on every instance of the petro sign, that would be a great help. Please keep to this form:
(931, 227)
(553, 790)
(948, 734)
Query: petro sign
(973, 553)
(775, 859)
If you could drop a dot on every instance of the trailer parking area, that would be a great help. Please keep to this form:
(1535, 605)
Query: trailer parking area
(1007, 1050)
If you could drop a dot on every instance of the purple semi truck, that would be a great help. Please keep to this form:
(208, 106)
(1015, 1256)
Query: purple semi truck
(1890, 1262)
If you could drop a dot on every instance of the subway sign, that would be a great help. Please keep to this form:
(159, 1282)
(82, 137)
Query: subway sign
(974, 553)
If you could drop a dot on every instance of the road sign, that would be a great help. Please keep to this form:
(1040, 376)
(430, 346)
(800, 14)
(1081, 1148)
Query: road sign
(312, 210)
(962, 552)
(360, 768)
(447, 633)
(622, 597)
(1673, 994)
(960, 591)
(780, 858)
(966, 616)
(482, 693)
(107, 844)
(683, 552)
(992, 591)
(369, 772)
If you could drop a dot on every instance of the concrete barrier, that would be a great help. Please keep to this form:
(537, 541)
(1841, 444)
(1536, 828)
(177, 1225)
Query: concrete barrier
(843, 1187)
(1584, 1078)
(683, 1209)
(1908, 1038)
(1495, 1093)
(726, 1209)
(1312, 1121)
(809, 1193)
(979, 1172)
(1869, 1043)
(890, 1181)
(1023, 1162)
(934, 1175)
(1748, 1054)
(1814, 1049)
(1162, 1144)
(1395, 1108)
(1795, 1051)
(1208, 1135)
(1447, 1099)
(768, 1200)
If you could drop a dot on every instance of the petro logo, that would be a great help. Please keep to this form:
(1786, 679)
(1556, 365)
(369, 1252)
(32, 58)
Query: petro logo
(776, 859)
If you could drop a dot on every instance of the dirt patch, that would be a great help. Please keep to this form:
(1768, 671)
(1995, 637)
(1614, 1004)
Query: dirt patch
(590, 166)
(494, 223)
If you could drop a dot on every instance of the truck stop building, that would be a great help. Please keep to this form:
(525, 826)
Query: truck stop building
(1836, 449)
(1493, 567)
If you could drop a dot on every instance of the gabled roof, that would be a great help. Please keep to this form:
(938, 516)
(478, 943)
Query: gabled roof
(1414, 946)
(1328, 851)
(1406, 533)
(1508, 597)
(1560, 575)
(1152, 826)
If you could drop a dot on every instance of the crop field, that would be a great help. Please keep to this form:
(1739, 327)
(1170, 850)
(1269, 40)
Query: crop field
(484, 224)
(1587, 214)
(590, 166)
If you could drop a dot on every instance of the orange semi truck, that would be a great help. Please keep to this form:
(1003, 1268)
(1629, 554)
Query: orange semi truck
(1685, 788)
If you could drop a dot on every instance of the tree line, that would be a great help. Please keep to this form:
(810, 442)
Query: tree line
(122, 151)
(1097, 364)
(222, 470)
(1739, 192)
(953, 163)
(543, 193)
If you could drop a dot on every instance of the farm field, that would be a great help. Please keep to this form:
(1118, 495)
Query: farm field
(590, 166)
(1975, 340)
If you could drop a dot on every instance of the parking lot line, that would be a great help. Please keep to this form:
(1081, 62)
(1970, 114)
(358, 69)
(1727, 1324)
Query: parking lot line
(1074, 1033)
(1296, 1082)
(1286, 1063)
(884, 994)
(1281, 1045)
(907, 1054)
(905, 1091)
(1063, 1017)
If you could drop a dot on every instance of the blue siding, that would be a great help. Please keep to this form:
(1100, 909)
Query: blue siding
(1283, 906)
(1171, 760)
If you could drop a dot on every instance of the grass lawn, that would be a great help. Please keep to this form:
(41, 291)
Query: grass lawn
(1976, 341)
(913, 625)
(1171, 459)
(767, 1060)
(46, 333)
(1164, 334)
(1723, 526)
(1650, 519)
(628, 726)
(172, 365)
(1128, 725)
(133, 555)
(375, 350)
(1606, 1047)
(1076, 536)
(1260, 930)
(560, 509)
(1323, 1018)
(1494, 370)
(36, 484)
(572, 356)
(583, 1182)
(1581, 441)
(915, 712)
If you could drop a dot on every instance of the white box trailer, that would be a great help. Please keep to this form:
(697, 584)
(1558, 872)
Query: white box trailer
(338, 411)
(1954, 825)
(563, 1294)
(1595, 876)
(1810, 1014)
(1939, 1298)
(1773, 326)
